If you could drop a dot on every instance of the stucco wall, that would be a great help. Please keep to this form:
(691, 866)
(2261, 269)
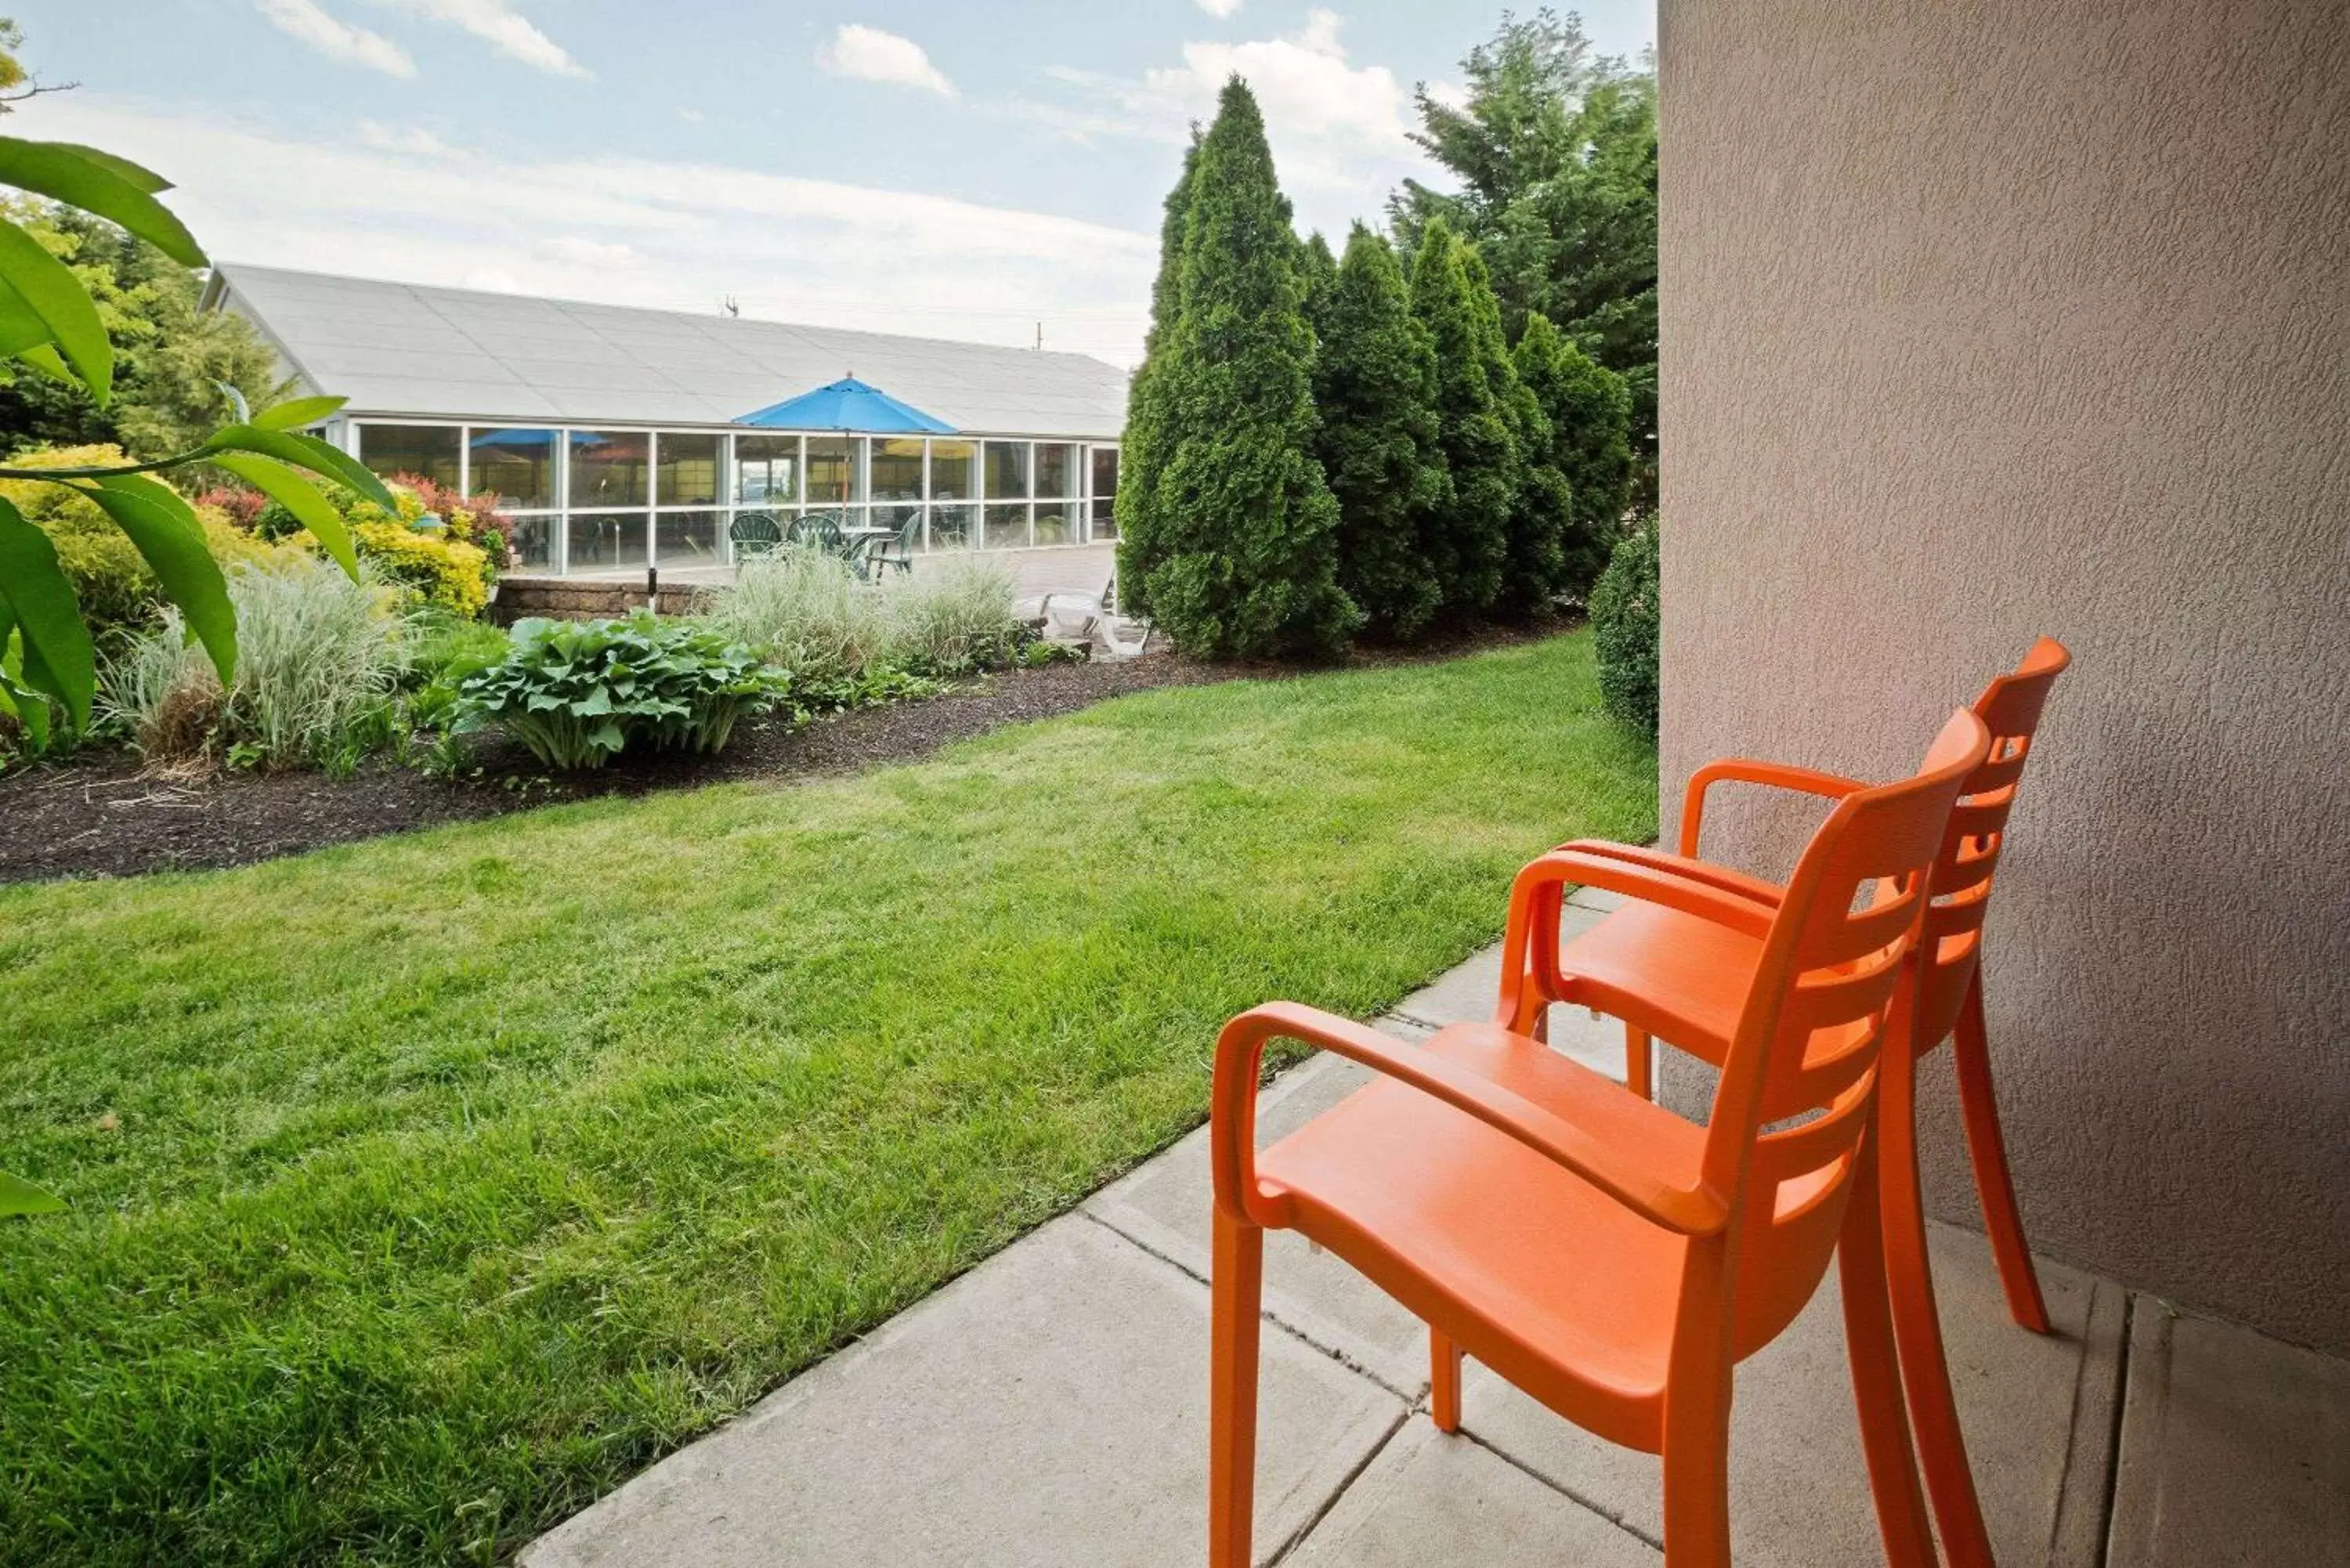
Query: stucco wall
(2033, 316)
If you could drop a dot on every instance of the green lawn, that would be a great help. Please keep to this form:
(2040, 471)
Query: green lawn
(423, 1190)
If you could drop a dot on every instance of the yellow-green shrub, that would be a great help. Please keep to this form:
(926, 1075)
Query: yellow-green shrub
(116, 590)
(439, 565)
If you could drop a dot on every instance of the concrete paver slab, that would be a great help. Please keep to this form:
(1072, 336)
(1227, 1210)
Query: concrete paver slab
(2235, 1449)
(1430, 1499)
(1048, 1408)
(1164, 1207)
(2037, 1412)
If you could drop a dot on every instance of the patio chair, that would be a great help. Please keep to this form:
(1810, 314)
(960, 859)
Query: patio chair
(754, 533)
(1608, 1258)
(895, 552)
(1701, 1010)
(822, 529)
(1082, 617)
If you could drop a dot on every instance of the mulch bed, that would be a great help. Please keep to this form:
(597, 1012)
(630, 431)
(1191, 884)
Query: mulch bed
(105, 815)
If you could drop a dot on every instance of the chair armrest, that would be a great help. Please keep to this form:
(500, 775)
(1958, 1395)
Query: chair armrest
(1622, 1167)
(1749, 769)
(1708, 892)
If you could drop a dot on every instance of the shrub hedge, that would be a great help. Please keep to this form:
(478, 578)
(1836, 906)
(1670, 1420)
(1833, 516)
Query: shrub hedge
(1625, 614)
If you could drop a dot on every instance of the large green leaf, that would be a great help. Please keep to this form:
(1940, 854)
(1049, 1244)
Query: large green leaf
(291, 491)
(28, 707)
(57, 297)
(138, 174)
(296, 412)
(70, 175)
(303, 452)
(43, 356)
(166, 531)
(18, 1195)
(21, 327)
(58, 656)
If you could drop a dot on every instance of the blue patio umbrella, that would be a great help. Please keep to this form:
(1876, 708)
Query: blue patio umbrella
(848, 404)
(530, 438)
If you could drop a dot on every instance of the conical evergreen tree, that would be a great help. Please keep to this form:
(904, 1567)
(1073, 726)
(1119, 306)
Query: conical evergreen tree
(1590, 410)
(1243, 529)
(1142, 449)
(1540, 509)
(1321, 278)
(1375, 389)
(1467, 537)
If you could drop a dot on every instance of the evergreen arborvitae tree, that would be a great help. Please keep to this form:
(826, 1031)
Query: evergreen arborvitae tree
(1541, 508)
(1321, 278)
(1375, 389)
(1142, 454)
(1242, 530)
(1590, 411)
(1467, 537)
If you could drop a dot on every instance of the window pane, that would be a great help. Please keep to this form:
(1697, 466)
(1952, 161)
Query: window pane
(605, 541)
(767, 468)
(519, 465)
(1056, 525)
(951, 478)
(897, 469)
(688, 469)
(832, 470)
(1105, 519)
(607, 468)
(1105, 470)
(420, 452)
(1007, 471)
(688, 539)
(534, 542)
(1056, 471)
(952, 528)
(1007, 526)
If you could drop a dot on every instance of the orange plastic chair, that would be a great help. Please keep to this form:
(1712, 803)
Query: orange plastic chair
(1692, 972)
(1608, 1257)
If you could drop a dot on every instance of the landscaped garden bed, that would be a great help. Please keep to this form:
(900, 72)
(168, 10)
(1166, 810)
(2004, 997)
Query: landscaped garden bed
(423, 1188)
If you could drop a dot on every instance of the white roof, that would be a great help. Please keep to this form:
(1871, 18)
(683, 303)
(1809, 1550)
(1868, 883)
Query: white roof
(455, 353)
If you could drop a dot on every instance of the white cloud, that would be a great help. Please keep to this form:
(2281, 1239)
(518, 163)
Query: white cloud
(410, 139)
(691, 115)
(869, 54)
(505, 29)
(1339, 130)
(1304, 83)
(1220, 10)
(631, 231)
(337, 40)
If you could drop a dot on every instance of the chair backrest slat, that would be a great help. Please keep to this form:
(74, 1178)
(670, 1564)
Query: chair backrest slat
(1835, 981)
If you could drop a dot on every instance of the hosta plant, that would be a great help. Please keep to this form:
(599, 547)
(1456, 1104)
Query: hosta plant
(578, 693)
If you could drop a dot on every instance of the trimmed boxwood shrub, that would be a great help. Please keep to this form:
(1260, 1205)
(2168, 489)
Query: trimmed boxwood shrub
(1624, 616)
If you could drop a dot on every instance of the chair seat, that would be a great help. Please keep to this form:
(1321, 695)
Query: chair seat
(1557, 1286)
(1680, 978)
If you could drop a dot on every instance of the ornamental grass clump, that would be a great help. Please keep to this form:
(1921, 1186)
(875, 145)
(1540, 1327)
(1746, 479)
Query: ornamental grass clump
(802, 609)
(959, 619)
(578, 693)
(318, 659)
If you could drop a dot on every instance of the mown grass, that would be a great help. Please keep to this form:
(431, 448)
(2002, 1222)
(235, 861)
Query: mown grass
(425, 1188)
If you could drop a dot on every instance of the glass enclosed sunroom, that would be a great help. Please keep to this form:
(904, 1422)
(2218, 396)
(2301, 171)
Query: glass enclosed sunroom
(607, 500)
(621, 439)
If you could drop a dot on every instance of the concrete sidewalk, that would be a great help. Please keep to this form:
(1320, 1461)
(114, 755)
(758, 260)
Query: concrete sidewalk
(1050, 1408)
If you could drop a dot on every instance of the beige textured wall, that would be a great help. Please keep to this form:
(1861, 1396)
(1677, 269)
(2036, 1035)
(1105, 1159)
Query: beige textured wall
(2024, 315)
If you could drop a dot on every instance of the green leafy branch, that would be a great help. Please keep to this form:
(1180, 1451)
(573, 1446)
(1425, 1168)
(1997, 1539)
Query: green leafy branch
(49, 321)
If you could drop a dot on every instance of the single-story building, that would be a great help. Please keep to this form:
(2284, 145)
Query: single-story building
(621, 439)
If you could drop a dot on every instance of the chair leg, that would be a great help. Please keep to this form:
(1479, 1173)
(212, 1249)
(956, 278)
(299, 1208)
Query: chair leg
(1917, 1328)
(1236, 1294)
(1444, 1381)
(1877, 1375)
(1636, 1057)
(1697, 1479)
(1971, 1054)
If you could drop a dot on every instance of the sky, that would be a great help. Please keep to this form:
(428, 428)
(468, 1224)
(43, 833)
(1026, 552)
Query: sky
(946, 170)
